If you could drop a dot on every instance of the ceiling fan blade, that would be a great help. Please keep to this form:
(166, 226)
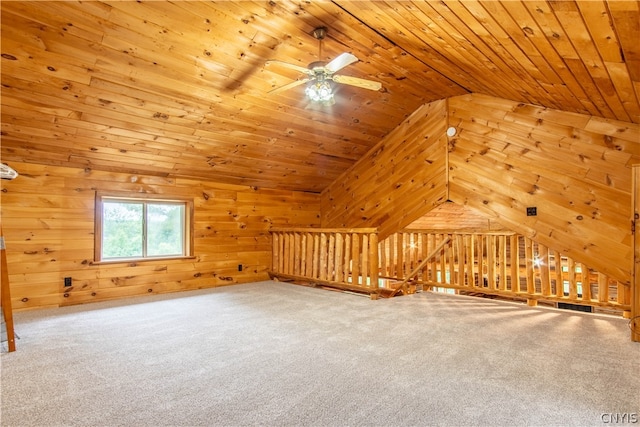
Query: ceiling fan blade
(288, 65)
(355, 81)
(340, 61)
(290, 85)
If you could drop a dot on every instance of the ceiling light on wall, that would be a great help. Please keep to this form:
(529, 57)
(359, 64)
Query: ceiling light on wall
(319, 91)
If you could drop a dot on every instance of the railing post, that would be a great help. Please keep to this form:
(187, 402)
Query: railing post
(634, 322)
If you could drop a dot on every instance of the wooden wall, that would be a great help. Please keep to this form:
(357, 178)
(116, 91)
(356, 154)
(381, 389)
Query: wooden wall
(397, 181)
(48, 222)
(452, 216)
(575, 169)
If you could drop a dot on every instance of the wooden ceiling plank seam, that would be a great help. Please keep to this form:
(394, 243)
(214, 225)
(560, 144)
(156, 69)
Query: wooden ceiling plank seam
(519, 24)
(52, 42)
(388, 17)
(594, 70)
(626, 23)
(251, 16)
(71, 93)
(152, 49)
(493, 34)
(56, 145)
(342, 25)
(420, 40)
(535, 34)
(466, 61)
(314, 120)
(559, 40)
(48, 14)
(452, 28)
(139, 45)
(624, 87)
(58, 67)
(395, 69)
(535, 64)
(599, 24)
(26, 109)
(136, 96)
(491, 45)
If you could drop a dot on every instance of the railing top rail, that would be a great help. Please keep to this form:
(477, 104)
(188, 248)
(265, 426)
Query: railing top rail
(323, 230)
(459, 231)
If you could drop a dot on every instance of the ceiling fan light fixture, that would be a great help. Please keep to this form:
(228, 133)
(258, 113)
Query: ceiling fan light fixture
(319, 91)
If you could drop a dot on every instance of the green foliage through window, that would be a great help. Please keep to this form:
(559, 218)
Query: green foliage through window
(141, 229)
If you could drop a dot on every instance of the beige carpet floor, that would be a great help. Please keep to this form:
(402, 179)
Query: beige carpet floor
(276, 354)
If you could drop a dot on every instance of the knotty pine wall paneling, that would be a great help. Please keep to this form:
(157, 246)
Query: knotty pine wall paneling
(574, 168)
(48, 220)
(397, 181)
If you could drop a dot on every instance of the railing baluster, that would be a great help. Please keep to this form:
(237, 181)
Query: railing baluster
(543, 265)
(347, 257)
(491, 261)
(502, 263)
(373, 260)
(338, 262)
(355, 258)
(296, 253)
(530, 274)
(603, 287)
(364, 253)
(277, 256)
(472, 267)
(400, 266)
(573, 285)
(331, 253)
(559, 270)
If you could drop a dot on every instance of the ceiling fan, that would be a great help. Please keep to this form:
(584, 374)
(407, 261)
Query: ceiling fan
(319, 74)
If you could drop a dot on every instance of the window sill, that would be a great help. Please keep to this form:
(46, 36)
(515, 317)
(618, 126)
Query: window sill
(138, 260)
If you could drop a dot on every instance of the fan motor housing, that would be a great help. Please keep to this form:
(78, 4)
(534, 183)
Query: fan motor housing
(317, 65)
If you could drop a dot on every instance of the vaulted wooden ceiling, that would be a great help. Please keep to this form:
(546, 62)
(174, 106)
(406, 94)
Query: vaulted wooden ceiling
(180, 89)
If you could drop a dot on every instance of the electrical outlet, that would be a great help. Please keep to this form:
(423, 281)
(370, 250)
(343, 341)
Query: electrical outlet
(532, 211)
(67, 281)
(239, 267)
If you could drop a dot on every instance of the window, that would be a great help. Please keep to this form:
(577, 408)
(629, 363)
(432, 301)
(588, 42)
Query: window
(142, 228)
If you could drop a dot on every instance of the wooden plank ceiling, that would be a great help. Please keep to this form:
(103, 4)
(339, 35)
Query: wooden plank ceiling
(180, 89)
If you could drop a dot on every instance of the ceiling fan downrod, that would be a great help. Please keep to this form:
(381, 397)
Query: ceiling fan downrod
(320, 33)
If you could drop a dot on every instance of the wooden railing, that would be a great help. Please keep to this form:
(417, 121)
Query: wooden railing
(498, 263)
(341, 258)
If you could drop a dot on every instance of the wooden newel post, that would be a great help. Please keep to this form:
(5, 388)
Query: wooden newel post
(5, 296)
